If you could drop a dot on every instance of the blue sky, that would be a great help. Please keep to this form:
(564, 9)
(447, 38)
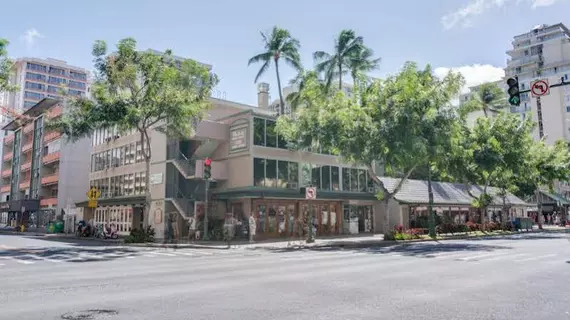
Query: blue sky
(471, 35)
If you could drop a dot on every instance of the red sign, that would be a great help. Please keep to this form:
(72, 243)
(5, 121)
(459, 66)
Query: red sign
(208, 162)
(540, 88)
(311, 193)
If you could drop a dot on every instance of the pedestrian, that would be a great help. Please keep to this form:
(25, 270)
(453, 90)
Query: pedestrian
(252, 227)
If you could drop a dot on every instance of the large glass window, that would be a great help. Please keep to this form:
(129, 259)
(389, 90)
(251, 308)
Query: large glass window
(326, 177)
(316, 176)
(306, 174)
(258, 172)
(270, 134)
(275, 173)
(259, 132)
(335, 181)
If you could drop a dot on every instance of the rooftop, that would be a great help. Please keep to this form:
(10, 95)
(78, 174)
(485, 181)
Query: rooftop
(33, 112)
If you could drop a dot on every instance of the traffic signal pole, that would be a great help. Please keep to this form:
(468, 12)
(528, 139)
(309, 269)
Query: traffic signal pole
(207, 175)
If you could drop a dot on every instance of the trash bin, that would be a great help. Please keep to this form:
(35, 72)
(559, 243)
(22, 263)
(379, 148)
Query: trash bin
(59, 227)
(51, 227)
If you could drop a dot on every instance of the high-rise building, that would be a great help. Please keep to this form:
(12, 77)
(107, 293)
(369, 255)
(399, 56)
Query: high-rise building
(44, 78)
(543, 53)
(41, 172)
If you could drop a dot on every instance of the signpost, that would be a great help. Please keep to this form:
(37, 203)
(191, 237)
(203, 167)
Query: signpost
(93, 195)
(538, 89)
(310, 194)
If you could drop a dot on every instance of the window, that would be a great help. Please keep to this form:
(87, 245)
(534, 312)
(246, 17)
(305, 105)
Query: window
(335, 175)
(33, 95)
(306, 174)
(259, 132)
(568, 109)
(77, 84)
(29, 104)
(52, 89)
(275, 173)
(270, 134)
(326, 178)
(346, 179)
(74, 92)
(35, 76)
(36, 67)
(58, 71)
(35, 86)
(77, 75)
(258, 172)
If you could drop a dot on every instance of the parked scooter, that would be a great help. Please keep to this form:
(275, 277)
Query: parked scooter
(83, 229)
(106, 232)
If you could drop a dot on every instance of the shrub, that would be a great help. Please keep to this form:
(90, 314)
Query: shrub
(507, 226)
(447, 228)
(490, 226)
(399, 228)
(415, 233)
(141, 235)
(472, 226)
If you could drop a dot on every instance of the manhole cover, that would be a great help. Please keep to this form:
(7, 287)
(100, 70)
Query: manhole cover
(89, 315)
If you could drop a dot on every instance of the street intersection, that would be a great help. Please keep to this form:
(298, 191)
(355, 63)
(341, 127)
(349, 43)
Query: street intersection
(517, 277)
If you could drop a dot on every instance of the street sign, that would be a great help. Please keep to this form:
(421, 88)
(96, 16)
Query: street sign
(540, 88)
(92, 203)
(311, 193)
(93, 194)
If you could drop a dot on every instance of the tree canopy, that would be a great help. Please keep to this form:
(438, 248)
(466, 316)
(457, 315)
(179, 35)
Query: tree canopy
(5, 67)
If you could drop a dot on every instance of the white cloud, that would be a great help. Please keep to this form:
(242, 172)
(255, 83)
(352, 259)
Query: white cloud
(474, 74)
(465, 15)
(31, 35)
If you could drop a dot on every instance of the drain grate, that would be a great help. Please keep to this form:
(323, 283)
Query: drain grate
(94, 314)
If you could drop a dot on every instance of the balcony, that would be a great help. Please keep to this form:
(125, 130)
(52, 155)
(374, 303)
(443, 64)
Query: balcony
(49, 158)
(25, 185)
(26, 166)
(5, 189)
(50, 179)
(8, 156)
(27, 147)
(8, 139)
(29, 128)
(46, 202)
(55, 111)
(6, 173)
(51, 136)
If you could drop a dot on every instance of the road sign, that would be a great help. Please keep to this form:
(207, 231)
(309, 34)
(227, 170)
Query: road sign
(93, 194)
(92, 203)
(540, 88)
(311, 193)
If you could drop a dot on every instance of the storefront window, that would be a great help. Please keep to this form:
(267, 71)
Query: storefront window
(335, 184)
(346, 179)
(316, 176)
(306, 174)
(326, 178)
(354, 180)
(271, 173)
(270, 134)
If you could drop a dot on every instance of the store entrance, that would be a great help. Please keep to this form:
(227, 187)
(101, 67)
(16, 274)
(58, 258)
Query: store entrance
(358, 219)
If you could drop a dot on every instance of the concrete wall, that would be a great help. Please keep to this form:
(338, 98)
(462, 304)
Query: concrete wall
(74, 167)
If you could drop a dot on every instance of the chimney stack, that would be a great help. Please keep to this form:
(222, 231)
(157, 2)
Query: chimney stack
(263, 95)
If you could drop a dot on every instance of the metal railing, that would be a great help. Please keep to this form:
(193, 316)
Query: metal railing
(188, 166)
(183, 202)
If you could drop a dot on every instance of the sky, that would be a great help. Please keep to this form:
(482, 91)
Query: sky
(470, 36)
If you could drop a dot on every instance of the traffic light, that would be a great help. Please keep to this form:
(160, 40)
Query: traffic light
(514, 94)
(207, 168)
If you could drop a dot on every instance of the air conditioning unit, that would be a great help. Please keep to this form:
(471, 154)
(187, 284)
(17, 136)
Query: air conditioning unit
(371, 190)
(292, 185)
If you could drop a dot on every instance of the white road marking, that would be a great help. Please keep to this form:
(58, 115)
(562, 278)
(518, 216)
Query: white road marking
(538, 257)
(162, 254)
(469, 258)
(507, 256)
(24, 261)
(129, 257)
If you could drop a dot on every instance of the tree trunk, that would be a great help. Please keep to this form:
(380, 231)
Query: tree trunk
(145, 149)
(485, 111)
(386, 222)
(431, 213)
(539, 207)
(340, 75)
(281, 102)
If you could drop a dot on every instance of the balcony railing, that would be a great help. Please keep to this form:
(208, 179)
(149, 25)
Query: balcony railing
(25, 185)
(8, 139)
(51, 136)
(52, 157)
(26, 166)
(27, 147)
(6, 173)
(8, 156)
(46, 202)
(50, 179)
(4, 189)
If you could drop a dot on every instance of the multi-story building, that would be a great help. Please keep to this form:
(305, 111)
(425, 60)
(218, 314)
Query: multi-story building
(253, 172)
(544, 53)
(41, 172)
(44, 78)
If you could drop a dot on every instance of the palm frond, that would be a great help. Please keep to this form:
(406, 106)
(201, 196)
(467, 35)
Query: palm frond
(261, 57)
(262, 70)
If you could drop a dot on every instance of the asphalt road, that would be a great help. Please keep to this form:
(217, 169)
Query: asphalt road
(523, 277)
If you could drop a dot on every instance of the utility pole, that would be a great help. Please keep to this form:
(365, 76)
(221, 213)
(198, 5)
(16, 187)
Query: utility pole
(207, 175)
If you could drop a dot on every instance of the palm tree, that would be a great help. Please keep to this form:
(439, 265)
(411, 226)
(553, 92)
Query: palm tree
(487, 98)
(336, 65)
(278, 45)
(362, 62)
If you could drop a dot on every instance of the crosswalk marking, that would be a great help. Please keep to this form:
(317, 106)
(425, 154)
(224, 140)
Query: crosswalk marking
(24, 261)
(537, 257)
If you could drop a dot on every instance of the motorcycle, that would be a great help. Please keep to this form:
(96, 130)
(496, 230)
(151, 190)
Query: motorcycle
(83, 229)
(106, 233)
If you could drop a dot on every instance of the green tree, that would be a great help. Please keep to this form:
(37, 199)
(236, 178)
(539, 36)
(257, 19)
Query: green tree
(384, 123)
(5, 67)
(142, 91)
(361, 62)
(488, 98)
(278, 45)
(347, 48)
(300, 82)
(491, 155)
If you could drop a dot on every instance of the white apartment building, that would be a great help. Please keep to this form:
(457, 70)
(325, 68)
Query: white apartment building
(543, 53)
(44, 78)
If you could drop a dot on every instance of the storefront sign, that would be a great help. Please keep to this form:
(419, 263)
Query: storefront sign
(238, 139)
